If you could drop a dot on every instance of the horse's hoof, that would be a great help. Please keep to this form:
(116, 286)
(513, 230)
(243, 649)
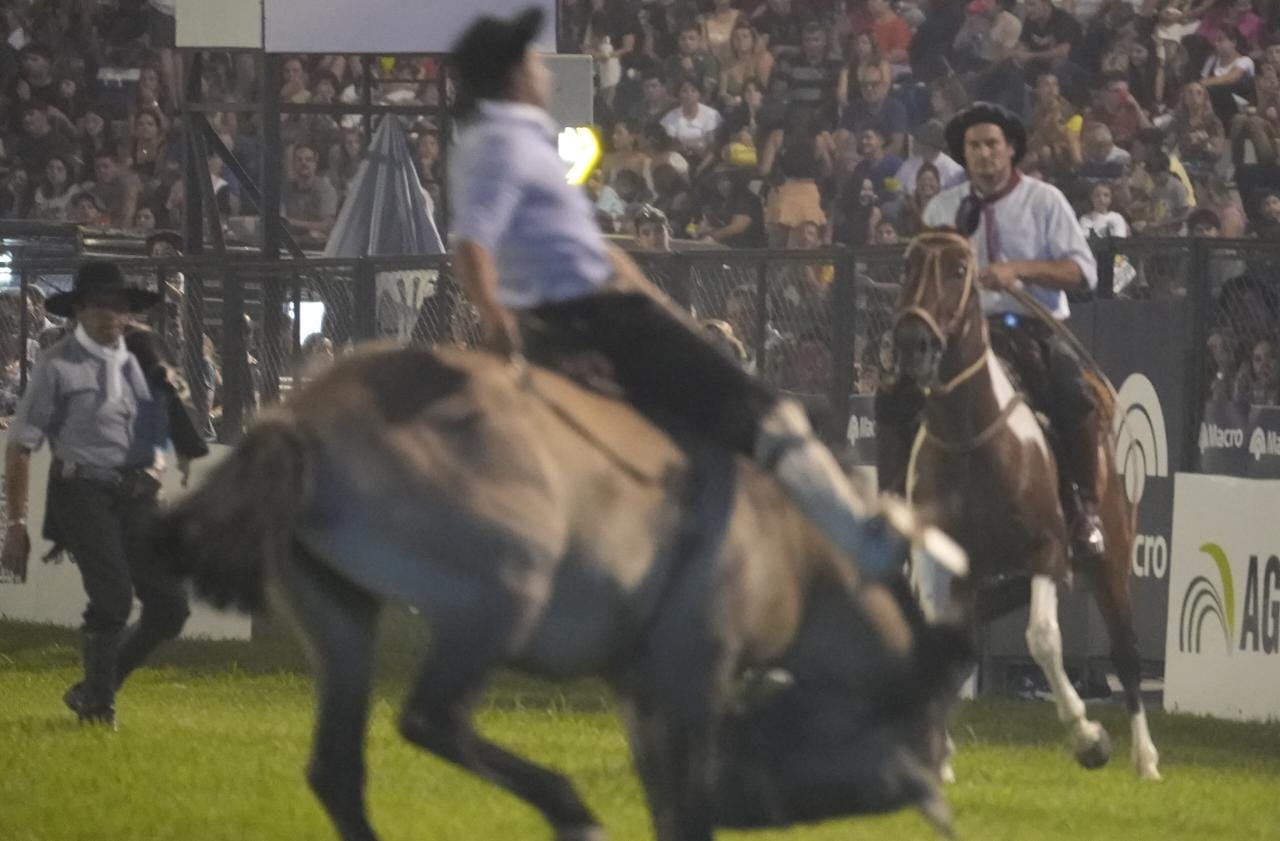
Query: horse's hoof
(1149, 772)
(591, 832)
(1095, 754)
(947, 774)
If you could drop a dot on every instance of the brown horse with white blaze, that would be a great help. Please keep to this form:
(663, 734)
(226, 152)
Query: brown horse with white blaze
(535, 524)
(981, 465)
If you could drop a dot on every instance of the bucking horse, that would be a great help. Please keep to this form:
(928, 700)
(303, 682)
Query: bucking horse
(981, 465)
(765, 680)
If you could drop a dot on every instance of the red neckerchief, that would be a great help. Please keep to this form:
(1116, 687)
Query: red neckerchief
(974, 204)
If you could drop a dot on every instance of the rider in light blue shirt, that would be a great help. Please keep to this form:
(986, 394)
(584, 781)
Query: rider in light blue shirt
(531, 258)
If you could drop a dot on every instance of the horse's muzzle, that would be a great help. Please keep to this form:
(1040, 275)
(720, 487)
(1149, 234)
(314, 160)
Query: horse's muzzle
(917, 351)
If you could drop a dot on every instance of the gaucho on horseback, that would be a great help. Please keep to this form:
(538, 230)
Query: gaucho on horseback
(532, 259)
(1026, 236)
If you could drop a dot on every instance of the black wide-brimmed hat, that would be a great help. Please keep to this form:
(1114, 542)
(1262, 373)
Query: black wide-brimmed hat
(979, 114)
(98, 278)
(486, 53)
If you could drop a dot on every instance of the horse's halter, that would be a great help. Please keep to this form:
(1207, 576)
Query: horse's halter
(933, 277)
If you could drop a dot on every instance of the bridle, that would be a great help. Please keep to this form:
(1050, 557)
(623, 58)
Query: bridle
(955, 325)
(933, 276)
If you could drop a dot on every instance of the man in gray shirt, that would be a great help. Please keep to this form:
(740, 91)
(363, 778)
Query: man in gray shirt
(106, 420)
(310, 202)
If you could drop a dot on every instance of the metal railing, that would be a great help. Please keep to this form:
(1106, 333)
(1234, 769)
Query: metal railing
(813, 323)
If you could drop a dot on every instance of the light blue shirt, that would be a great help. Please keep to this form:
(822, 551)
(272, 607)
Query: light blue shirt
(66, 403)
(1034, 222)
(510, 196)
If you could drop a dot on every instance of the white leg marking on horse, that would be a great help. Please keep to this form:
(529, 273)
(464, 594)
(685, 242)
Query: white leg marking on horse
(1045, 641)
(1146, 759)
(947, 773)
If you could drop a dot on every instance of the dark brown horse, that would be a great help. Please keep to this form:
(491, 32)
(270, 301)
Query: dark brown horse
(981, 464)
(537, 525)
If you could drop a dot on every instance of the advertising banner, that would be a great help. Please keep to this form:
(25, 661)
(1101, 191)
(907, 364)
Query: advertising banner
(1264, 442)
(53, 593)
(1222, 654)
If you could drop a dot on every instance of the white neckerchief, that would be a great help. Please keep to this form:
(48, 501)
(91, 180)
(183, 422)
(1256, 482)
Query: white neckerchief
(116, 358)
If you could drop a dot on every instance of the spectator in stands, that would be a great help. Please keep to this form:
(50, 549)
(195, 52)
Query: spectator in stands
(87, 212)
(1255, 133)
(246, 149)
(661, 149)
(36, 82)
(310, 203)
(718, 27)
(1049, 35)
(295, 86)
(1118, 109)
(735, 217)
(1267, 225)
(863, 52)
(1257, 383)
(655, 102)
(94, 134)
(892, 34)
(672, 197)
(927, 185)
(1228, 74)
(15, 194)
(947, 98)
(746, 61)
(1101, 158)
(71, 101)
(152, 92)
(609, 208)
(1102, 220)
(1220, 196)
(796, 157)
(990, 34)
(1168, 205)
(876, 109)
(625, 152)
(886, 233)
(780, 26)
(876, 165)
(810, 77)
(51, 201)
(1053, 143)
(652, 232)
(430, 171)
(612, 37)
(932, 49)
(40, 138)
(1203, 223)
(692, 62)
(1226, 358)
(854, 213)
(1197, 132)
(150, 148)
(145, 220)
(693, 125)
(720, 333)
(927, 143)
(116, 188)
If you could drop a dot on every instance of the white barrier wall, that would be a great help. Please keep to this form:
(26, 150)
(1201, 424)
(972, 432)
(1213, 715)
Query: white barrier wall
(52, 592)
(1222, 653)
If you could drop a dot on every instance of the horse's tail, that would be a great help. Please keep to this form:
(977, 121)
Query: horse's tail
(224, 535)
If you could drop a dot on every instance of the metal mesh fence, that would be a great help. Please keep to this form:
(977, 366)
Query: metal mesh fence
(1243, 324)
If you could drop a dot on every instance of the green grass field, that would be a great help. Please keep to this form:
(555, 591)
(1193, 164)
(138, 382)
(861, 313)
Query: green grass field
(214, 738)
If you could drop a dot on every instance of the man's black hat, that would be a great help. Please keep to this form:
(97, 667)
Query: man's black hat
(100, 277)
(986, 112)
(488, 51)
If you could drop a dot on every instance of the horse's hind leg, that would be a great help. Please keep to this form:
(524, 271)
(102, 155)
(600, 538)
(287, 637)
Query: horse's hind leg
(1111, 589)
(1089, 740)
(437, 718)
(339, 624)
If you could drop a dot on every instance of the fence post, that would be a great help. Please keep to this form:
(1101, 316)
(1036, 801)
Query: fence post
(762, 319)
(24, 332)
(1196, 363)
(236, 381)
(1104, 252)
(844, 324)
(366, 301)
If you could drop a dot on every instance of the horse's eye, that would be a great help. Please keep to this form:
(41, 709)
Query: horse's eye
(961, 269)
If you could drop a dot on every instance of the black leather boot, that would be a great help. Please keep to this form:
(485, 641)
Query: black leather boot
(93, 700)
(1088, 543)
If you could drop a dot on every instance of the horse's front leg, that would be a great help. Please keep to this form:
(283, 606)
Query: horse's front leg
(1089, 740)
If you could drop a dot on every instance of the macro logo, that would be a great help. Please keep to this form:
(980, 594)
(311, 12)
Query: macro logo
(860, 428)
(1264, 442)
(1142, 446)
(1214, 437)
(1209, 603)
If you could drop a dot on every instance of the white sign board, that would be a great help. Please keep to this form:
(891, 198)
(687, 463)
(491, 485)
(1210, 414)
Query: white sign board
(384, 26)
(224, 24)
(1222, 653)
(53, 593)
